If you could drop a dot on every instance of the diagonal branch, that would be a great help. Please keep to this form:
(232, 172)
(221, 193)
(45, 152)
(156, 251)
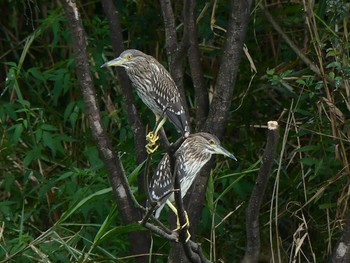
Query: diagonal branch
(290, 43)
(121, 189)
(175, 51)
(252, 213)
(194, 59)
(233, 50)
(192, 250)
(125, 86)
(220, 106)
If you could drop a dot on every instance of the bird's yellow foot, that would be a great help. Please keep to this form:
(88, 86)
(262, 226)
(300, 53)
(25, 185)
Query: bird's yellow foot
(151, 148)
(178, 226)
(187, 224)
(152, 139)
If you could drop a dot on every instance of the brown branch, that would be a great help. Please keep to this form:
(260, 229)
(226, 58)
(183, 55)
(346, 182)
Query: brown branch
(192, 250)
(175, 51)
(125, 86)
(233, 50)
(220, 106)
(252, 213)
(194, 59)
(121, 190)
(341, 252)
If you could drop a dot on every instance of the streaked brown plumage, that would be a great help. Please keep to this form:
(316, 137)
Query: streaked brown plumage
(154, 86)
(191, 156)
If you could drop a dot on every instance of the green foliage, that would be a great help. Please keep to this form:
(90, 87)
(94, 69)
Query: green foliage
(56, 204)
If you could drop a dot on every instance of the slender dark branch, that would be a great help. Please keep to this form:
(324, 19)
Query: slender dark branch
(125, 86)
(121, 189)
(175, 51)
(114, 168)
(233, 50)
(194, 248)
(171, 237)
(341, 252)
(170, 28)
(194, 59)
(297, 51)
(150, 203)
(193, 253)
(252, 213)
(220, 106)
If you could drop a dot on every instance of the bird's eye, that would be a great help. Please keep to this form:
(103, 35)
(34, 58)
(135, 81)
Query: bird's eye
(211, 142)
(129, 56)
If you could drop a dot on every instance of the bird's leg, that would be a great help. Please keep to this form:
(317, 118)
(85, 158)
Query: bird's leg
(152, 137)
(179, 227)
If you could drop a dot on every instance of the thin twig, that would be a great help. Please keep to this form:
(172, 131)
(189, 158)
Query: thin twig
(294, 47)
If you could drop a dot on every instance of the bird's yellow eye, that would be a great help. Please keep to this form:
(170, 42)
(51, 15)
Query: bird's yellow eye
(211, 142)
(129, 56)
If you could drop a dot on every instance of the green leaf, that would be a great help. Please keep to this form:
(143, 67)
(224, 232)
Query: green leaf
(210, 193)
(119, 230)
(133, 176)
(68, 110)
(104, 227)
(300, 82)
(48, 127)
(31, 155)
(270, 72)
(227, 189)
(36, 73)
(308, 148)
(48, 142)
(81, 203)
(17, 133)
(308, 161)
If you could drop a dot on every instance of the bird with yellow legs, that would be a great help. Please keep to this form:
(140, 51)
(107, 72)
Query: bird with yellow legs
(156, 89)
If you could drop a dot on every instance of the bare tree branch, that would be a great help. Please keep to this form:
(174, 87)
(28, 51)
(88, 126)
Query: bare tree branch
(236, 31)
(175, 51)
(297, 51)
(121, 190)
(192, 251)
(125, 85)
(220, 106)
(252, 213)
(194, 59)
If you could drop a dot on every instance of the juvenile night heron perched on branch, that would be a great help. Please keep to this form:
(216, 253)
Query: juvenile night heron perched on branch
(191, 156)
(156, 89)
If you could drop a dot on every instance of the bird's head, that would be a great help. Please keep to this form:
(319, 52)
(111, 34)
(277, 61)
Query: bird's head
(127, 59)
(211, 144)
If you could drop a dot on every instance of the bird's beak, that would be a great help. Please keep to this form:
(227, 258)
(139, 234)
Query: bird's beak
(119, 61)
(221, 150)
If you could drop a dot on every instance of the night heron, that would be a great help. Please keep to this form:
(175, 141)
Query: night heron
(156, 89)
(191, 156)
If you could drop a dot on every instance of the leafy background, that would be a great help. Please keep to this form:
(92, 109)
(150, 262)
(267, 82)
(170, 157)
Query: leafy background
(56, 202)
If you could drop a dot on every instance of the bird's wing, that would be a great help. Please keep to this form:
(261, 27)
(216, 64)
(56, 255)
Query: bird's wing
(162, 182)
(167, 96)
(177, 116)
(182, 173)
